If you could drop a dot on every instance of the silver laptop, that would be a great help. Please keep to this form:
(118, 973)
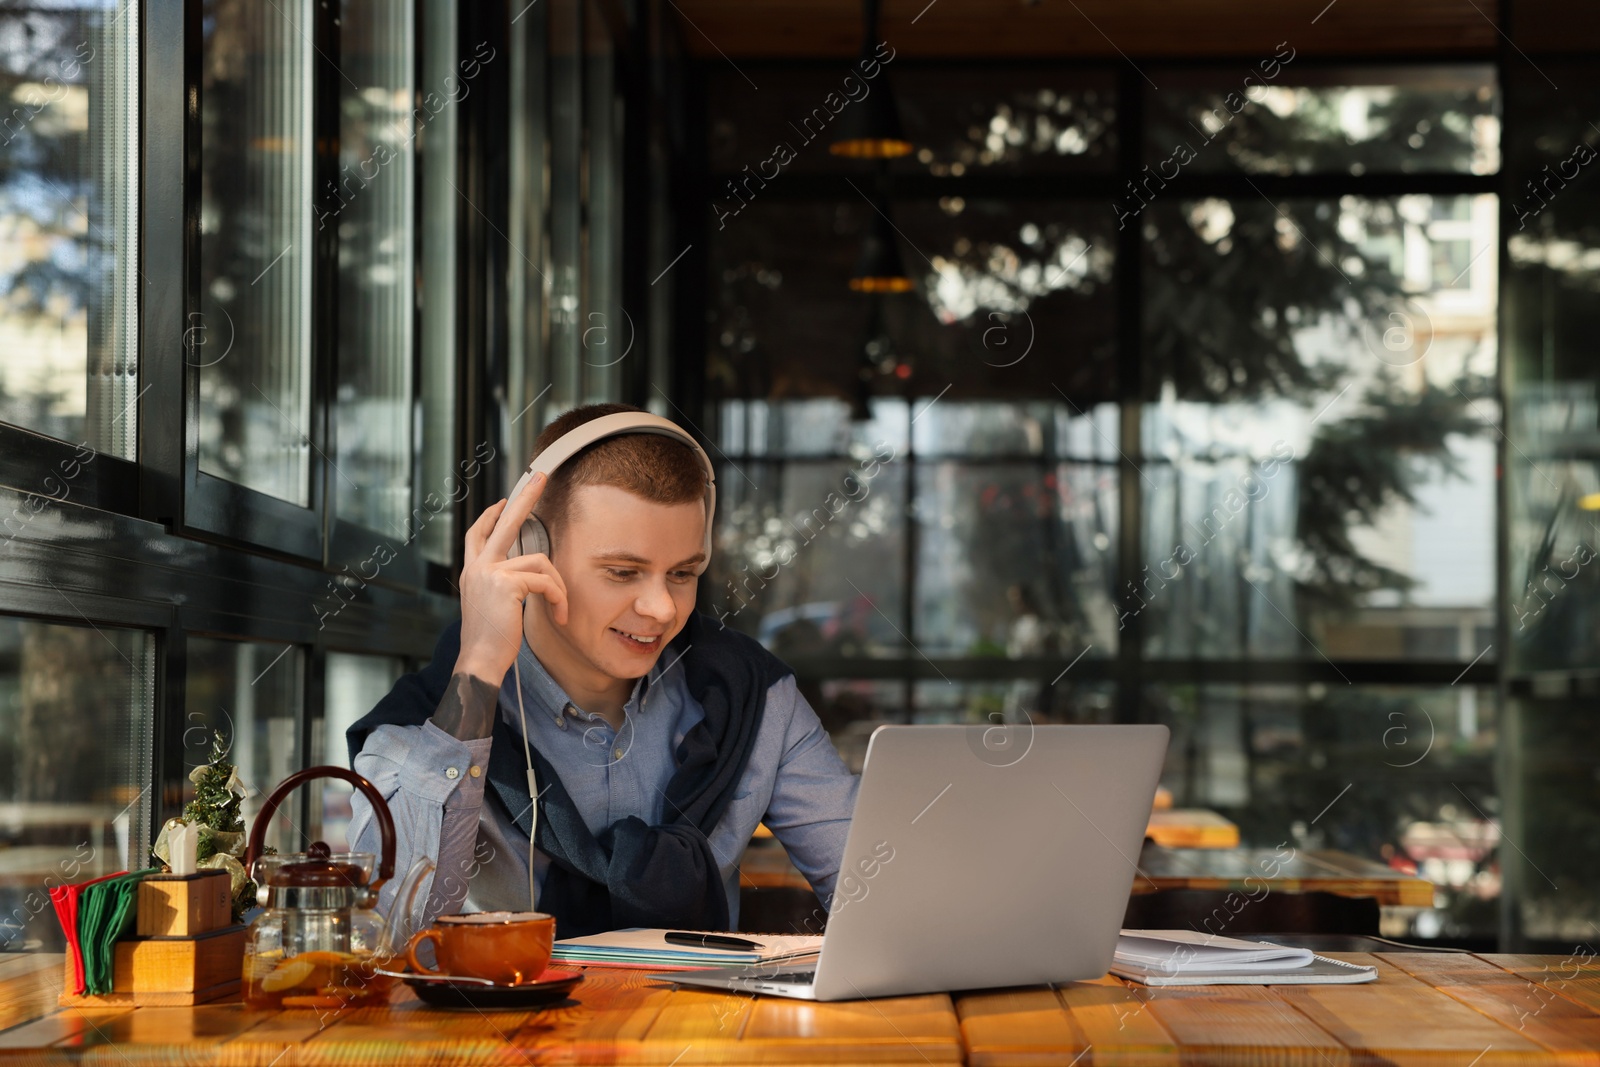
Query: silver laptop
(978, 856)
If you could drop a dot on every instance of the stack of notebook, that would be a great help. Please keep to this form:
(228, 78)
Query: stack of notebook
(1188, 957)
(639, 947)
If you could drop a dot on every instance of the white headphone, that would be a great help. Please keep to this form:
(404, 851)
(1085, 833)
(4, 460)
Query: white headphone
(533, 537)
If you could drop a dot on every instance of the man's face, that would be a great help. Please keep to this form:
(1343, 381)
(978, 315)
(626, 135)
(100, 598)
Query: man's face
(629, 567)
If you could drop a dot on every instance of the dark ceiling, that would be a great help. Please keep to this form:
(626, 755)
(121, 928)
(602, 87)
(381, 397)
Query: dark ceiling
(1143, 28)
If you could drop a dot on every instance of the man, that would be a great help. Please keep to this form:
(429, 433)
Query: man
(660, 738)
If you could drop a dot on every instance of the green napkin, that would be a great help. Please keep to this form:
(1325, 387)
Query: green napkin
(105, 912)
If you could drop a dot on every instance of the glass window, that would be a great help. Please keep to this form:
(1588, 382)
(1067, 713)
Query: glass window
(252, 693)
(1000, 287)
(527, 269)
(1318, 462)
(354, 686)
(1280, 118)
(69, 165)
(1556, 785)
(1402, 776)
(565, 217)
(77, 707)
(959, 120)
(1552, 385)
(817, 427)
(438, 142)
(850, 709)
(811, 555)
(250, 337)
(609, 333)
(382, 111)
(1552, 455)
(1016, 560)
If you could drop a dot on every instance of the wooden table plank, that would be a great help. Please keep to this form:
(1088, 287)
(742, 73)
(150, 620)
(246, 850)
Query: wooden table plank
(61, 1027)
(1575, 978)
(1405, 1021)
(1117, 1021)
(29, 985)
(1026, 1025)
(913, 1029)
(1568, 1030)
(1241, 1024)
(155, 1036)
(373, 1035)
(1033, 1026)
(605, 1020)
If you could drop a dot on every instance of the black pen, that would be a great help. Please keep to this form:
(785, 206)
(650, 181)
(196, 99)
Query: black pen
(678, 937)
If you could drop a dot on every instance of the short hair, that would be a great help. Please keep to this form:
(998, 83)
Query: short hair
(649, 465)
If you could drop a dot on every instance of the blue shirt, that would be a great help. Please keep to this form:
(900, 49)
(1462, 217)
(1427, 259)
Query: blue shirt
(795, 782)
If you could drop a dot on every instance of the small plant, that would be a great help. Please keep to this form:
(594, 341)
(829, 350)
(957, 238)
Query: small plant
(215, 810)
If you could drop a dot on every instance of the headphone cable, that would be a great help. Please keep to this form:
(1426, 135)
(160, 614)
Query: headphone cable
(533, 785)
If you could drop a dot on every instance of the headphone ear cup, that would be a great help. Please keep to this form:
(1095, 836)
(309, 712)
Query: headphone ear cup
(531, 539)
(711, 518)
(535, 538)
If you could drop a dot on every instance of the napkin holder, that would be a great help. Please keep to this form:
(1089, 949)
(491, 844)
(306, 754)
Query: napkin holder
(187, 950)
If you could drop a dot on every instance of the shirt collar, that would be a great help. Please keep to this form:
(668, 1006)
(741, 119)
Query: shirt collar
(544, 695)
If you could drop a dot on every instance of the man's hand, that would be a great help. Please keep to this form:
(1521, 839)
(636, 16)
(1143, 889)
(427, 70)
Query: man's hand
(494, 587)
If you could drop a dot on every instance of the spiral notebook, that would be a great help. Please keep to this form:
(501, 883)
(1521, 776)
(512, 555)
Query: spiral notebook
(1189, 957)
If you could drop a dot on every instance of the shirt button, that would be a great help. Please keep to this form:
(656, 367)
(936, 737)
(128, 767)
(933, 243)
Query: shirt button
(475, 771)
(616, 753)
(451, 773)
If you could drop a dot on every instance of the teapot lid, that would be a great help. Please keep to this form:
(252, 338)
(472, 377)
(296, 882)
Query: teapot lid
(317, 869)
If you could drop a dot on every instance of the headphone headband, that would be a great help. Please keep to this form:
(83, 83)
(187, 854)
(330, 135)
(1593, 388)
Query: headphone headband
(618, 424)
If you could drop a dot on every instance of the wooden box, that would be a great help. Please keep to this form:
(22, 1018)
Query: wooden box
(186, 905)
(170, 971)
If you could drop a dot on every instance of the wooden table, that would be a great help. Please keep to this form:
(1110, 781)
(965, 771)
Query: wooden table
(1191, 828)
(1284, 870)
(1425, 1008)
(1240, 870)
(1169, 826)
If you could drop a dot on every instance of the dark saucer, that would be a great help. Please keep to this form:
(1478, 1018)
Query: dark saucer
(551, 987)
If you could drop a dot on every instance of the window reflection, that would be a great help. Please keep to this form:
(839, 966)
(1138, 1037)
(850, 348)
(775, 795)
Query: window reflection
(1007, 289)
(608, 333)
(565, 30)
(251, 693)
(76, 708)
(1552, 389)
(1418, 764)
(810, 558)
(1288, 119)
(250, 338)
(441, 203)
(354, 685)
(382, 111)
(1018, 119)
(69, 148)
(1319, 467)
(1016, 559)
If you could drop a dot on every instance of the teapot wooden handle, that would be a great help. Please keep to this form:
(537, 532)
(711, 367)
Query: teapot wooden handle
(380, 811)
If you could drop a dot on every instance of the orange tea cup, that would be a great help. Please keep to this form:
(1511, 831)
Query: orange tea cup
(506, 947)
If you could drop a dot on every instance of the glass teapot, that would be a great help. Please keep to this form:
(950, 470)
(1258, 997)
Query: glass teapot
(318, 944)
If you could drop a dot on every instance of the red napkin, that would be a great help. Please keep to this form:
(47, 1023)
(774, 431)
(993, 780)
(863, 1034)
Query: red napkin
(65, 899)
